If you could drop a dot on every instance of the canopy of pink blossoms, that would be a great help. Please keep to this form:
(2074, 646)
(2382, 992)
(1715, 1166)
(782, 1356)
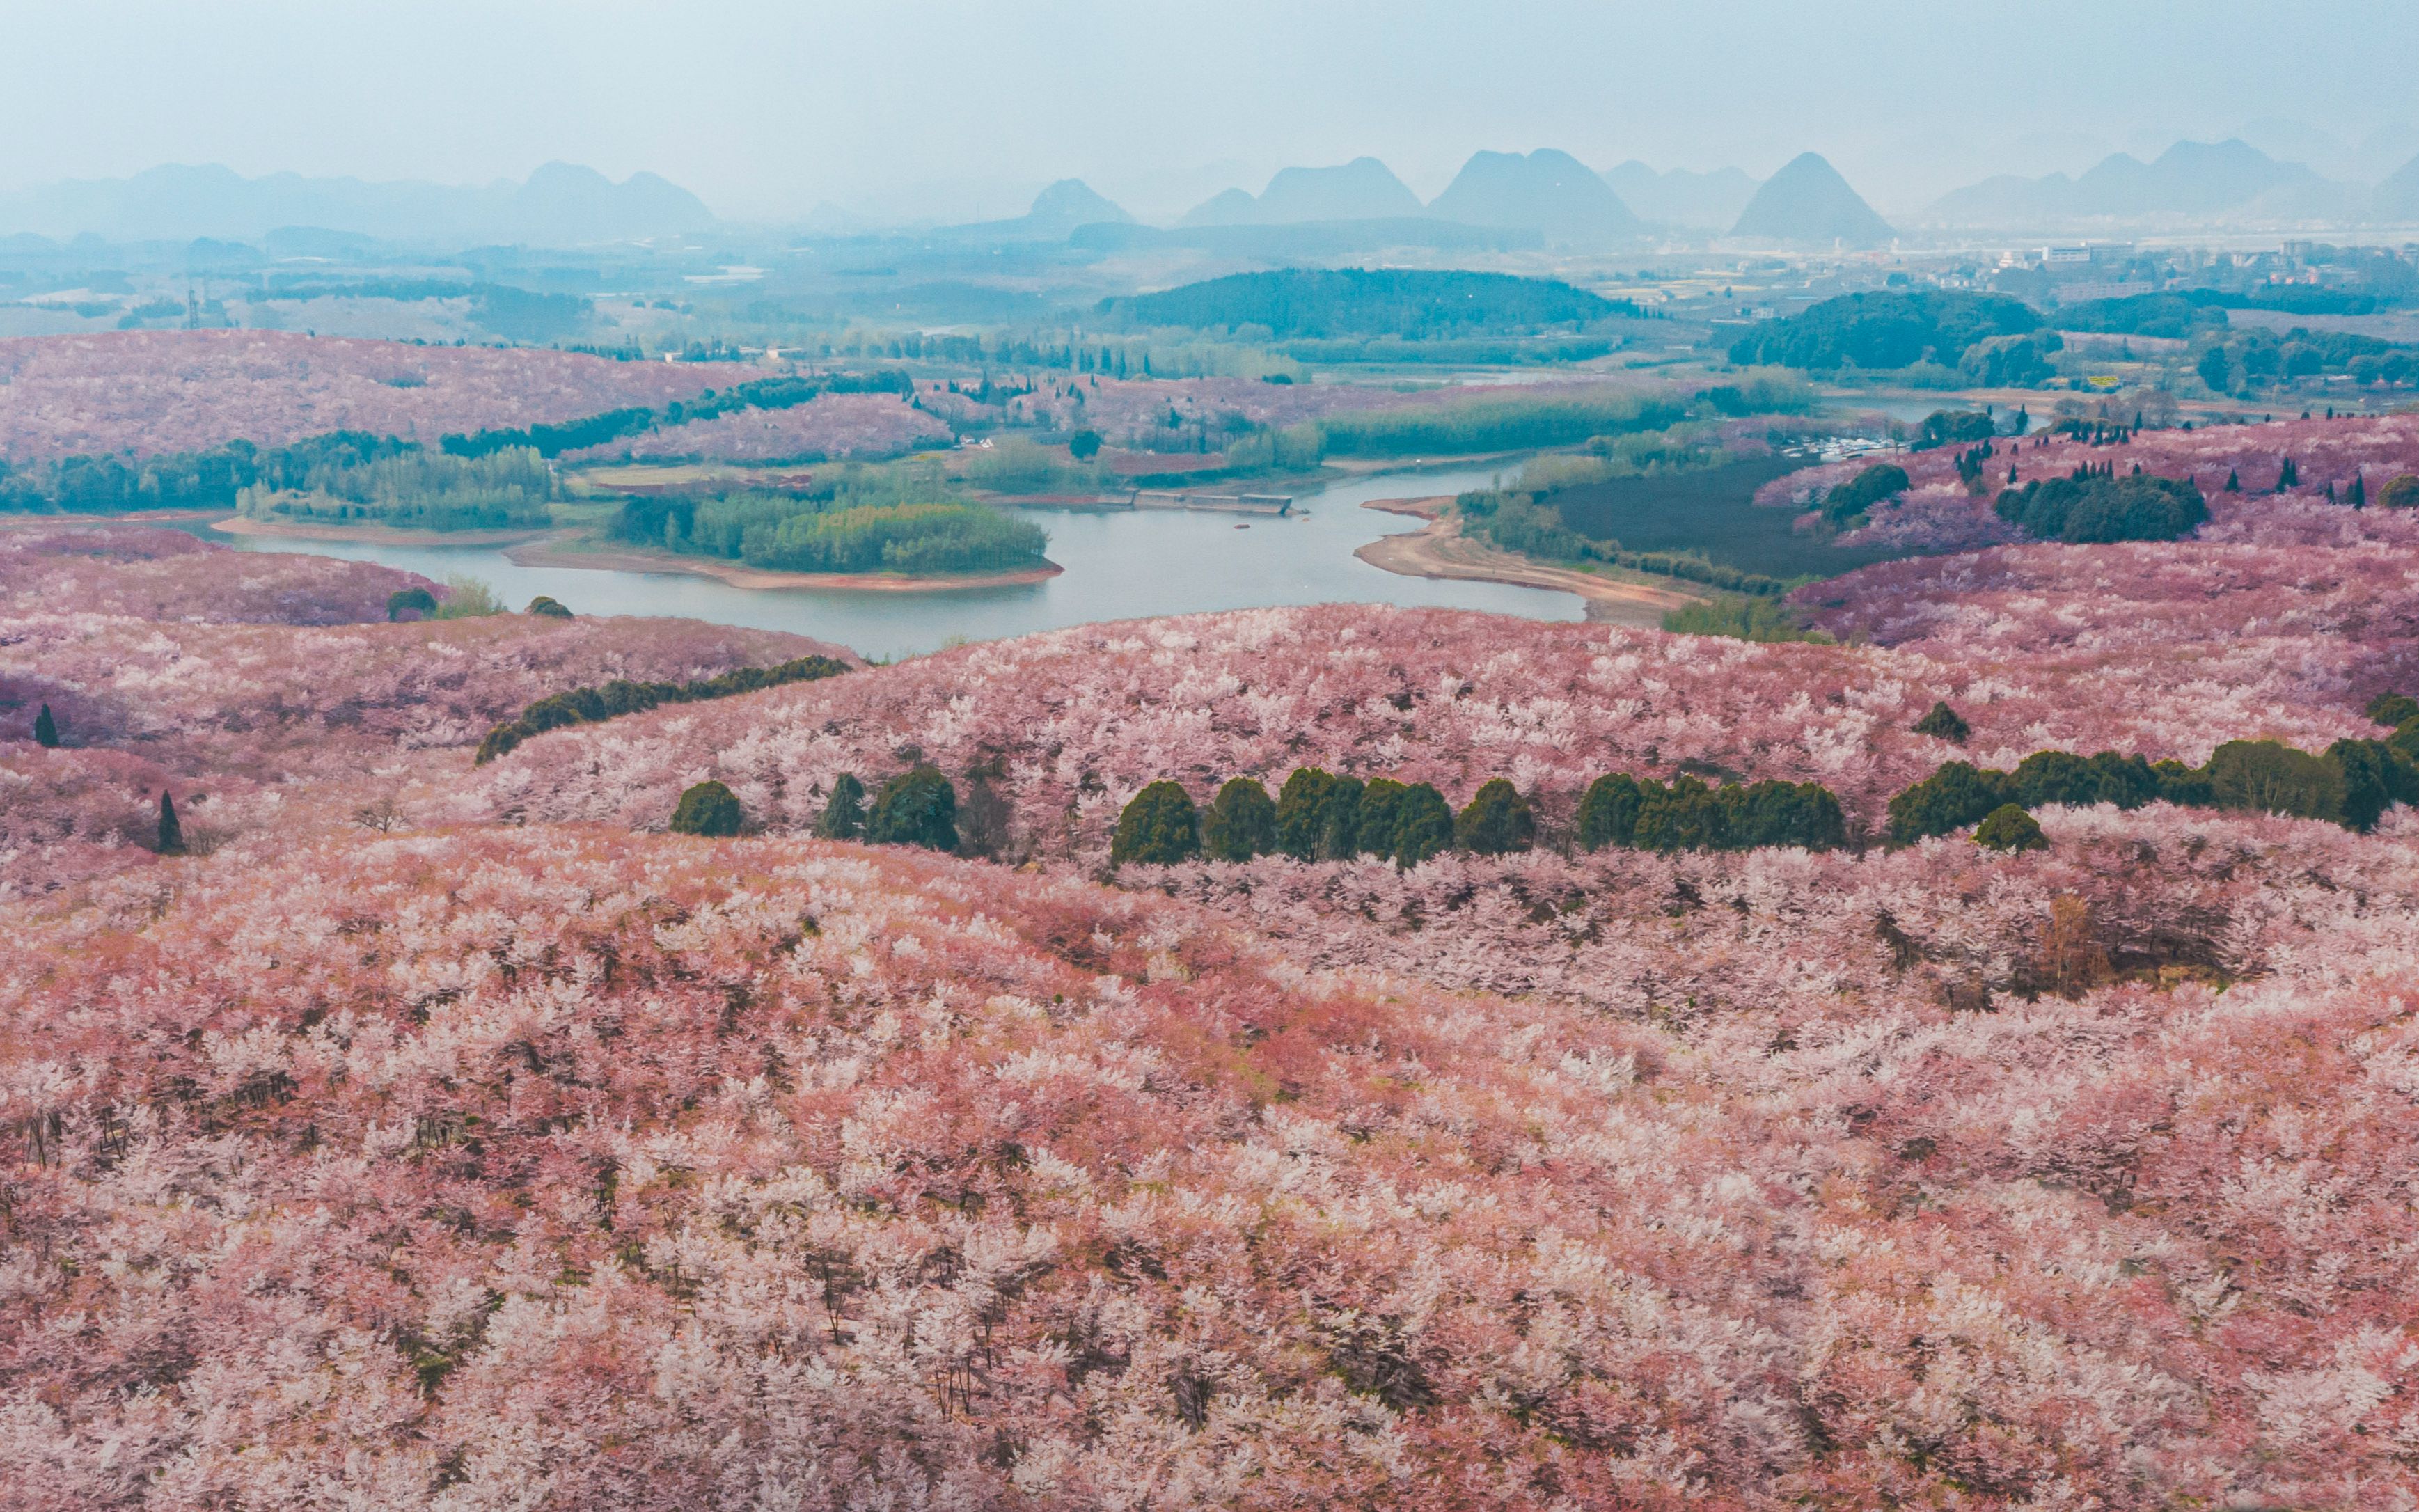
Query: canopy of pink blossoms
(185, 390)
(432, 1135)
(1076, 722)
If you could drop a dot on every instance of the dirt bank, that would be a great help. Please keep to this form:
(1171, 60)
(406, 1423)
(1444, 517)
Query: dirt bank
(1442, 551)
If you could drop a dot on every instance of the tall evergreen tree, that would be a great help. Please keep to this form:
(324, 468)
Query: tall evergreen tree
(1159, 827)
(2008, 828)
(1301, 811)
(1241, 822)
(1608, 811)
(1339, 825)
(1381, 809)
(1495, 820)
(172, 834)
(708, 808)
(1423, 826)
(419, 602)
(46, 729)
(843, 816)
(1943, 724)
(915, 808)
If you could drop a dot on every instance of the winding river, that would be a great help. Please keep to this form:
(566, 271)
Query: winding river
(1120, 565)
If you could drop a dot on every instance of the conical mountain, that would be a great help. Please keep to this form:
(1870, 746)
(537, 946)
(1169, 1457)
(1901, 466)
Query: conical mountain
(1071, 203)
(1808, 201)
(1544, 190)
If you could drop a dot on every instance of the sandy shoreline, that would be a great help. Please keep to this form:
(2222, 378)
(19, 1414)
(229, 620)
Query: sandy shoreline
(1442, 551)
(369, 534)
(547, 552)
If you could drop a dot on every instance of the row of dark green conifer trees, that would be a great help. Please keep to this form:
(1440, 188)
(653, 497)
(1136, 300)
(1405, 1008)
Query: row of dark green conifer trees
(1319, 816)
(2352, 782)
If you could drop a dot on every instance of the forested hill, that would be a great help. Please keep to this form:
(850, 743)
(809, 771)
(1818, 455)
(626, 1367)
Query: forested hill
(1351, 301)
(1885, 330)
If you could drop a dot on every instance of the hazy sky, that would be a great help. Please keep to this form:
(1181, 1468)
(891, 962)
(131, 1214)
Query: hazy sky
(943, 108)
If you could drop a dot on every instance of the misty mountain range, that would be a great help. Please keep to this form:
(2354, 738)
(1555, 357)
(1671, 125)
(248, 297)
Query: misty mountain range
(1498, 200)
(2191, 182)
(560, 204)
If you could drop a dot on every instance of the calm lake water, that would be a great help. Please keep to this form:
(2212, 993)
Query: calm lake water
(1120, 565)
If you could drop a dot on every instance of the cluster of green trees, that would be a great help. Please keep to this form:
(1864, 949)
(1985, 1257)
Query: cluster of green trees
(1743, 617)
(2248, 359)
(783, 393)
(553, 440)
(1957, 427)
(1970, 462)
(1760, 394)
(1016, 466)
(1689, 814)
(466, 599)
(593, 706)
(1851, 499)
(2097, 506)
(1886, 329)
(2172, 317)
(2292, 299)
(1497, 422)
(918, 806)
(1319, 816)
(915, 539)
(2015, 361)
(2350, 783)
(418, 490)
(1512, 423)
(1354, 301)
(211, 479)
(1521, 522)
(2093, 432)
(896, 519)
(1006, 349)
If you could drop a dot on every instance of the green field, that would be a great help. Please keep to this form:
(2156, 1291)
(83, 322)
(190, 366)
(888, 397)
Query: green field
(1710, 512)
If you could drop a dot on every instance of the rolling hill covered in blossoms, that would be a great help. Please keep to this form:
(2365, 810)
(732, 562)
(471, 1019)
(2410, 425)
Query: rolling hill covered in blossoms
(418, 1130)
(188, 390)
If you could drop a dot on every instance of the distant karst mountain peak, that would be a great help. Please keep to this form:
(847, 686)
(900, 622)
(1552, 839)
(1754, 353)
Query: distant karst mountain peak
(1547, 190)
(1808, 202)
